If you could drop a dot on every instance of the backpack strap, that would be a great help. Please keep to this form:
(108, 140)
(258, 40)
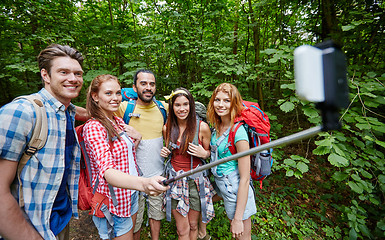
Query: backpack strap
(130, 111)
(162, 109)
(38, 138)
(232, 133)
(195, 140)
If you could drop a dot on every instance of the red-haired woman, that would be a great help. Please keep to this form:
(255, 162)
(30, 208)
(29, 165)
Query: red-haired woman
(232, 178)
(112, 155)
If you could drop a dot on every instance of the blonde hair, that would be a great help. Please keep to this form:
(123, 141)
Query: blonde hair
(235, 108)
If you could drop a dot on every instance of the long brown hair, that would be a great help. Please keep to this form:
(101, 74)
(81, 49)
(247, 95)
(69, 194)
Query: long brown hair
(93, 108)
(172, 128)
(235, 108)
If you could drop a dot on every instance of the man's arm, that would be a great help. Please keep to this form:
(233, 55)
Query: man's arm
(81, 114)
(13, 225)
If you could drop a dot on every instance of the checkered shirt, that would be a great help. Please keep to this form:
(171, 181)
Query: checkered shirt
(180, 192)
(101, 158)
(42, 175)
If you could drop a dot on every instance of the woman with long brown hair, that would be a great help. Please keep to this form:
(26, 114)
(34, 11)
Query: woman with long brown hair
(186, 194)
(232, 178)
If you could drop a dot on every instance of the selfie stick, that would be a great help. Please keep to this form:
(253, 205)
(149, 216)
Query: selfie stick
(320, 74)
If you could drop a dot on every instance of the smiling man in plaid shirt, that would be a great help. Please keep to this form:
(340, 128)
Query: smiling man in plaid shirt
(50, 177)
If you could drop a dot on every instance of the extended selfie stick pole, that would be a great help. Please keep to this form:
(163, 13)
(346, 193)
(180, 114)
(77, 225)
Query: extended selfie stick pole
(282, 141)
(320, 75)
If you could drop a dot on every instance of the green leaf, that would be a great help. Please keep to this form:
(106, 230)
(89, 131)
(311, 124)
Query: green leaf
(381, 225)
(381, 178)
(374, 200)
(310, 112)
(289, 162)
(287, 107)
(363, 126)
(371, 74)
(337, 160)
(381, 143)
(321, 150)
(302, 167)
(352, 234)
(366, 174)
(364, 229)
(339, 176)
(348, 27)
(289, 173)
(355, 187)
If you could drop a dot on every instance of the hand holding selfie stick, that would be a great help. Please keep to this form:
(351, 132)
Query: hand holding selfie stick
(320, 74)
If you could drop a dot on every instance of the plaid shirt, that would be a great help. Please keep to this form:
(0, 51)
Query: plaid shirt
(102, 158)
(180, 192)
(43, 173)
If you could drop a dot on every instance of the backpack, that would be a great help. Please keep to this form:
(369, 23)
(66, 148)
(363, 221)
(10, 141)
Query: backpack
(128, 94)
(201, 110)
(257, 125)
(86, 191)
(38, 138)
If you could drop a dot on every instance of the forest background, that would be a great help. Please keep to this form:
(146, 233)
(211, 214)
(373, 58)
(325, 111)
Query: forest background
(329, 187)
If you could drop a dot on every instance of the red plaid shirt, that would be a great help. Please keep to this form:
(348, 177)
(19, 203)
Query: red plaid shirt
(103, 158)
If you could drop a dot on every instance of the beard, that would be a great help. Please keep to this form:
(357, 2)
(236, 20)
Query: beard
(144, 98)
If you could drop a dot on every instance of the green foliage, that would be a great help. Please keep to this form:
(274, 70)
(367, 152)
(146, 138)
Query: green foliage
(199, 44)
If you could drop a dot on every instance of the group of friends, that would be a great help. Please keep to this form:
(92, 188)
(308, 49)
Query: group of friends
(126, 155)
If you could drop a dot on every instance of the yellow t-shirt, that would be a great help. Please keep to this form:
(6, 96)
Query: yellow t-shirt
(150, 122)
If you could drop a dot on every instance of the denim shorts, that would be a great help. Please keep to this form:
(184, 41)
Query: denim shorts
(228, 188)
(122, 225)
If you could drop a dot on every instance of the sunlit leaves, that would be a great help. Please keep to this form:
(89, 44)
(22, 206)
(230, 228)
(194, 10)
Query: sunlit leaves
(337, 160)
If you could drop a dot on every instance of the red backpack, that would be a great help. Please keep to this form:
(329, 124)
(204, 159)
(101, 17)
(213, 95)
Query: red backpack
(257, 126)
(86, 191)
(85, 179)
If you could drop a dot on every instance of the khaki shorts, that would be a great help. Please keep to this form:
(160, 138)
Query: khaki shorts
(154, 210)
(194, 199)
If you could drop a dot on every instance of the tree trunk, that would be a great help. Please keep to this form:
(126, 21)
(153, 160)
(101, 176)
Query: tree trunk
(256, 43)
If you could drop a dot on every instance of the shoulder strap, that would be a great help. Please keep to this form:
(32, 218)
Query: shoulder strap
(38, 138)
(232, 133)
(162, 109)
(129, 112)
(196, 136)
(196, 141)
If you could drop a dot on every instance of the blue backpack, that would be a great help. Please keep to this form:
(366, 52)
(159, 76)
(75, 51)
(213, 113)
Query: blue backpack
(128, 94)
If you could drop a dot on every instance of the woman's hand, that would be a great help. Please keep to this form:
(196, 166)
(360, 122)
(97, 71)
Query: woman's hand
(164, 152)
(198, 151)
(153, 186)
(236, 228)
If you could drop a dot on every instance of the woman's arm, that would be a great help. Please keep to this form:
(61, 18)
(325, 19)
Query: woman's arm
(237, 227)
(151, 186)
